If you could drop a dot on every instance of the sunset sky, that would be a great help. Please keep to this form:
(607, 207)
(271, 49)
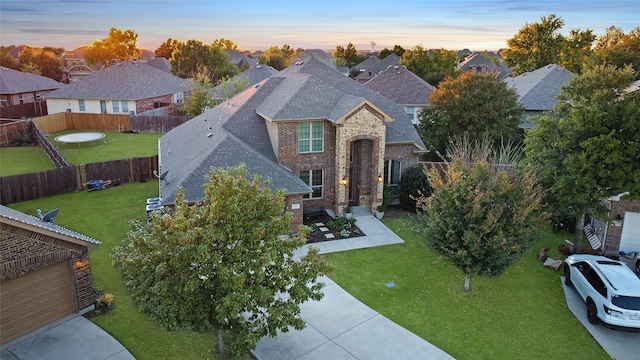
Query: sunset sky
(454, 24)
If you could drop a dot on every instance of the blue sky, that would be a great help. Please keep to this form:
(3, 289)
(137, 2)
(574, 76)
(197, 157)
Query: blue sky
(454, 24)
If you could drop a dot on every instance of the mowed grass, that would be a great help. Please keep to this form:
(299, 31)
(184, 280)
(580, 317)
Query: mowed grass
(521, 314)
(104, 215)
(118, 146)
(23, 160)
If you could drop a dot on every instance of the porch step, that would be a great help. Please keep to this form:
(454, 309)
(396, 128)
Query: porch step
(592, 237)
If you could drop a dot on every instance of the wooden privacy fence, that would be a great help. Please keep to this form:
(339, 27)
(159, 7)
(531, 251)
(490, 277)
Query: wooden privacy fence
(14, 132)
(79, 121)
(18, 188)
(52, 151)
(155, 124)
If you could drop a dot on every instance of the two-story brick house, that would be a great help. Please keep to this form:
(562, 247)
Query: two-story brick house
(323, 137)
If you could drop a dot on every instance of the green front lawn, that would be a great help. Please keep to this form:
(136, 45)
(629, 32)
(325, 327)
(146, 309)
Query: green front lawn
(23, 160)
(118, 146)
(521, 314)
(103, 215)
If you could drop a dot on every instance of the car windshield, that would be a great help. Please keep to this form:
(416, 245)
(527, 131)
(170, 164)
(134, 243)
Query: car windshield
(626, 302)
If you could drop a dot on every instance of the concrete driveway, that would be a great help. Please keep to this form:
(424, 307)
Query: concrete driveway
(618, 344)
(72, 337)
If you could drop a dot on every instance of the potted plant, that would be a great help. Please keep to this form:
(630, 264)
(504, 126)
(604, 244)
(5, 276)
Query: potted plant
(348, 212)
(380, 209)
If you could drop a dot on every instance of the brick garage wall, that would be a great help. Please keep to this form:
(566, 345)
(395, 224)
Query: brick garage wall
(325, 160)
(297, 213)
(614, 231)
(402, 153)
(153, 103)
(23, 251)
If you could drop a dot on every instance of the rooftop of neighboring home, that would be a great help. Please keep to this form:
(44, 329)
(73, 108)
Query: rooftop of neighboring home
(131, 80)
(236, 131)
(160, 63)
(18, 82)
(486, 62)
(240, 59)
(401, 86)
(538, 89)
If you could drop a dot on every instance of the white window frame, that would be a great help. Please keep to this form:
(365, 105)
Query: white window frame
(81, 105)
(310, 140)
(125, 106)
(389, 168)
(313, 185)
(116, 106)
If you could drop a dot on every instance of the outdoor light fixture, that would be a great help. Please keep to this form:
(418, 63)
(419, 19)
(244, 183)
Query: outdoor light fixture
(380, 178)
(344, 181)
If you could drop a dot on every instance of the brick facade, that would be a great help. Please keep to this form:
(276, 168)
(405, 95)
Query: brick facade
(153, 103)
(23, 251)
(612, 232)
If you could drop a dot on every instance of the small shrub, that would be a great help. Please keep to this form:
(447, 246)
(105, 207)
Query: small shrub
(341, 224)
(105, 300)
(413, 184)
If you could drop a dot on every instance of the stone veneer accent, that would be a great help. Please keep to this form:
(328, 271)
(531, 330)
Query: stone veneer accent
(365, 122)
(23, 251)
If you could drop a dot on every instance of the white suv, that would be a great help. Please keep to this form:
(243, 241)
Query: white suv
(609, 288)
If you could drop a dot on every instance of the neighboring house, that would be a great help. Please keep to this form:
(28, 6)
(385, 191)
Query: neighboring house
(254, 75)
(538, 89)
(22, 94)
(125, 88)
(318, 53)
(325, 139)
(367, 63)
(45, 273)
(403, 87)
(482, 63)
(377, 67)
(240, 59)
(623, 233)
(75, 68)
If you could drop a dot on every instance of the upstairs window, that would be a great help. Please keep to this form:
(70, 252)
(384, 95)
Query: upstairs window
(81, 106)
(310, 136)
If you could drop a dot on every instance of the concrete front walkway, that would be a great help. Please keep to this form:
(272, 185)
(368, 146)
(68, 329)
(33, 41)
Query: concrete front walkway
(341, 327)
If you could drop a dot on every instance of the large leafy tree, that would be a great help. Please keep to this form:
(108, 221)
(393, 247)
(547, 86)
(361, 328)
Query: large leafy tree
(476, 104)
(225, 44)
(200, 98)
(588, 148)
(6, 59)
(117, 46)
(619, 49)
(222, 264)
(397, 49)
(190, 57)
(480, 215)
(280, 57)
(167, 48)
(576, 52)
(535, 45)
(431, 65)
(41, 62)
(349, 55)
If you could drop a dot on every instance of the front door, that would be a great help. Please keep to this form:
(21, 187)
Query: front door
(360, 172)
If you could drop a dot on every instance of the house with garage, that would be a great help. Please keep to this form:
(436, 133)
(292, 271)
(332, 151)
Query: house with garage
(325, 139)
(622, 231)
(128, 87)
(403, 87)
(538, 89)
(22, 94)
(45, 272)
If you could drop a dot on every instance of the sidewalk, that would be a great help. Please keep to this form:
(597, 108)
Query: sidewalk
(341, 327)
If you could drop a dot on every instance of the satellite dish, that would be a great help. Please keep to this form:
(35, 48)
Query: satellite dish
(163, 175)
(48, 217)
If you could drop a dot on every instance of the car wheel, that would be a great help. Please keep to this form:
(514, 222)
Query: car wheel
(567, 276)
(592, 312)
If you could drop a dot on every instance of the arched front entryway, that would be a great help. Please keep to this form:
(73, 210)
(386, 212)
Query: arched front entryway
(361, 172)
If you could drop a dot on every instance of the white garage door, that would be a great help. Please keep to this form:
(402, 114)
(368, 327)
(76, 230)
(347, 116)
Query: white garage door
(630, 239)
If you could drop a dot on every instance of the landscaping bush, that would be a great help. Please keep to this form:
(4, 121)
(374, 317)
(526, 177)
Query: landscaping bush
(414, 183)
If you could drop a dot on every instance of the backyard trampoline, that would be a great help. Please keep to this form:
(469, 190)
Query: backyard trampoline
(83, 137)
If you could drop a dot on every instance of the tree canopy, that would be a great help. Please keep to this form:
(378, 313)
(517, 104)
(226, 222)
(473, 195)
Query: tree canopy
(280, 57)
(225, 44)
(117, 46)
(480, 215)
(397, 49)
(40, 62)
(588, 148)
(473, 103)
(194, 56)
(222, 264)
(167, 48)
(619, 49)
(431, 65)
(535, 45)
(349, 54)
